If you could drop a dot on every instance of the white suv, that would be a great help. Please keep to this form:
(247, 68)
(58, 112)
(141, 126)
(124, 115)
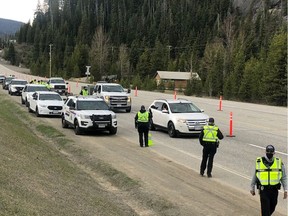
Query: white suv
(16, 86)
(177, 117)
(88, 113)
(58, 85)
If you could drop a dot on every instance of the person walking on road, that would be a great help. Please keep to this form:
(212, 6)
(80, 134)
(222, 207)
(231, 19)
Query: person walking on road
(269, 174)
(209, 139)
(142, 119)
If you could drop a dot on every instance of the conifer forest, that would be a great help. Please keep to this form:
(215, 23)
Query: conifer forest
(240, 54)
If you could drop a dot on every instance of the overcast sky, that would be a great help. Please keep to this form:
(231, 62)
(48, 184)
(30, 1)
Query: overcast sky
(19, 10)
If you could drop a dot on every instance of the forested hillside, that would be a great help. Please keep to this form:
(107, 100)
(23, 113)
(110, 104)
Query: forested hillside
(240, 55)
(9, 27)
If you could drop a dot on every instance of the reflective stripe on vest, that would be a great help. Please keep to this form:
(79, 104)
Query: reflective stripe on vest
(269, 175)
(210, 133)
(143, 117)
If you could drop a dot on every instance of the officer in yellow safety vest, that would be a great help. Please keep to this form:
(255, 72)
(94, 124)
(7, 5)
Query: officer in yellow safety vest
(209, 139)
(269, 174)
(142, 120)
(84, 91)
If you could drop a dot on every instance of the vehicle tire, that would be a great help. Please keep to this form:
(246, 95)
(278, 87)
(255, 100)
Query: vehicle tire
(64, 123)
(113, 130)
(171, 130)
(22, 101)
(152, 126)
(26, 103)
(29, 109)
(77, 128)
(37, 112)
(128, 110)
(9, 92)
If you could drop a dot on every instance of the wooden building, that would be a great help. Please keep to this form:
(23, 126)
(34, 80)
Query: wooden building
(175, 79)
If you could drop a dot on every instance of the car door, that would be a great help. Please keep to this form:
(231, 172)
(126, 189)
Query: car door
(156, 111)
(23, 95)
(33, 101)
(70, 104)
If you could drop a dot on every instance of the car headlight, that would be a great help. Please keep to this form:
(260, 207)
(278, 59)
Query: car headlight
(84, 116)
(107, 98)
(42, 105)
(13, 88)
(181, 120)
(129, 99)
(113, 116)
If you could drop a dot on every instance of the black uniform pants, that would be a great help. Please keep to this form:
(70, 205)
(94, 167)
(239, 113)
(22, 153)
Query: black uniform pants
(143, 130)
(268, 199)
(209, 150)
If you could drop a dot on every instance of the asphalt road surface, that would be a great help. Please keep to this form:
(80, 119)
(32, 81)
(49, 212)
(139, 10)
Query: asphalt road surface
(254, 127)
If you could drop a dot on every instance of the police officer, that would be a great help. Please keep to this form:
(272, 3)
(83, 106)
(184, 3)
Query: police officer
(269, 175)
(84, 91)
(209, 139)
(142, 120)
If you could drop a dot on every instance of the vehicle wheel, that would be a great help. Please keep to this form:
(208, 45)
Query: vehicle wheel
(128, 109)
(113, 130)
(37, 112)
(26, 103)
(22, 101)
(64, 123)
(171, 130)
(152, 126)
(29, 109)
(9, 92)
(77, 128)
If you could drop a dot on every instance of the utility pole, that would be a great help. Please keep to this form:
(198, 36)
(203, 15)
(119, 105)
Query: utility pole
(50, 54)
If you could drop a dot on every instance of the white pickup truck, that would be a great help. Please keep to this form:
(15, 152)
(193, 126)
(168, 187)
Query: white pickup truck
(88, 114)
(114, 95)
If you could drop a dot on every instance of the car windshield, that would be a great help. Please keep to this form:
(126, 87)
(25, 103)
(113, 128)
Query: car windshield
(58, 81)
(50, 97)
(92, 105)
(37, 88)
(112, 88)
(184, 108)
(18, 82)
(8, 79)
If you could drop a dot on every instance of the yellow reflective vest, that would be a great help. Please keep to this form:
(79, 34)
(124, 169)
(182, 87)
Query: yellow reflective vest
(210, 133)
(269, 175)
(143, 117)
(84, 92)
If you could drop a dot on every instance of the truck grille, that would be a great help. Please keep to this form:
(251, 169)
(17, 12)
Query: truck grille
(19, 88)
(55, 107)
(59, 87)
(118, 100)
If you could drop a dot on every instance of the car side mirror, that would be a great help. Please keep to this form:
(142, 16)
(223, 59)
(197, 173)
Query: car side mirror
(202, 110)
(129, 90)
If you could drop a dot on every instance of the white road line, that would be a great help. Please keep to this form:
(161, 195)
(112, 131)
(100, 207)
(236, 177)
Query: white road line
(264, 148)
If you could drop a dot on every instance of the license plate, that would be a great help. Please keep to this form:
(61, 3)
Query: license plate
(102, 125)
(55, 112)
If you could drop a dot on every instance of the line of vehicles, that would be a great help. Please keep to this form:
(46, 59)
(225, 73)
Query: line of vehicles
(96, 112)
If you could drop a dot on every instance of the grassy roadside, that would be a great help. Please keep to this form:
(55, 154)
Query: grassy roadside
(43, 173)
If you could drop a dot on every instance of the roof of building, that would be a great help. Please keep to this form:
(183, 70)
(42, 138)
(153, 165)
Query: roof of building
(177, 75)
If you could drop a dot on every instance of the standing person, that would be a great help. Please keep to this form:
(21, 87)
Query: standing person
(209, 139)
(84, 91)
(142, 120)
(269, 175)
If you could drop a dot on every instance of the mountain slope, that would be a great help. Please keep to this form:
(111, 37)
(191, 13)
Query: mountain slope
(9, 26)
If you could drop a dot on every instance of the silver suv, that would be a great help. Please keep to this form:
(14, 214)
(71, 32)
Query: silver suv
(87, 113)
(177, 117)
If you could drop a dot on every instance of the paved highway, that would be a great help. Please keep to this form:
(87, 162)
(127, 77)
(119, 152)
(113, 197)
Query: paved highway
(254, 127)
